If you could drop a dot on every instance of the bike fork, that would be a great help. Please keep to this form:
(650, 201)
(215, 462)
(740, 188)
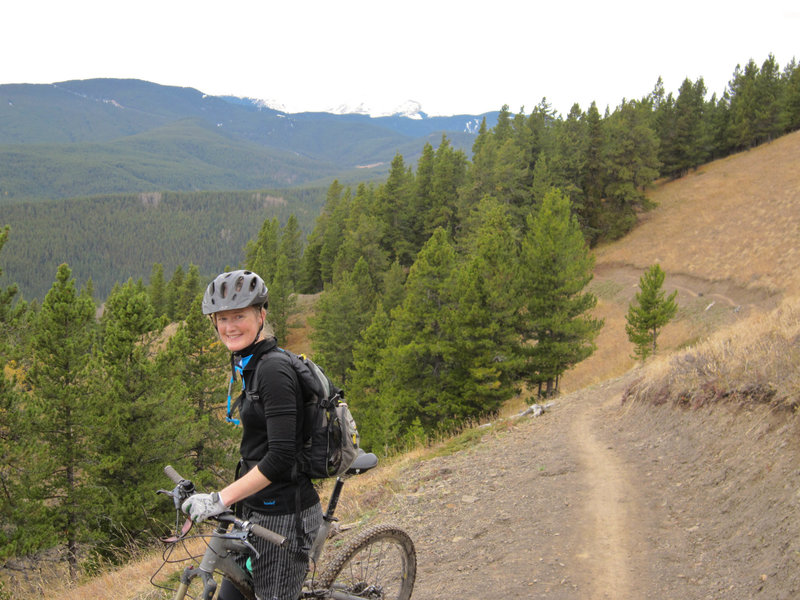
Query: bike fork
(189, 573)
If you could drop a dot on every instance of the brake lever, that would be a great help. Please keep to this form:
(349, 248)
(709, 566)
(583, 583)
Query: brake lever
(187, 525)
(241, 534)
(252, 548)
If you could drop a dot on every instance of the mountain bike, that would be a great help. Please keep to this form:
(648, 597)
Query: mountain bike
(378, 563)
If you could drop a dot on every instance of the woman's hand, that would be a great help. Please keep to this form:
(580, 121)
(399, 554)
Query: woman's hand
(200, 507)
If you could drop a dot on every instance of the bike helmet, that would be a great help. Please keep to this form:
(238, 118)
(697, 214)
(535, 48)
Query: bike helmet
(236, 289)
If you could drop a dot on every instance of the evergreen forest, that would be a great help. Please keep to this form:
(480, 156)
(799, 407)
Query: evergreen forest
(112, 238)
(445, 290)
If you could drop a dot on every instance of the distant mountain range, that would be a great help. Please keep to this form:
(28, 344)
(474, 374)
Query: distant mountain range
(104, 136)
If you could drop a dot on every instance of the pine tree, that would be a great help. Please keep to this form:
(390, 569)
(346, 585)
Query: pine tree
(16, 510)
(556, 332)
(282, 301)
(423, 198)
(449, 175)
(542, 180)
(157, 290)
(342, 312)
(13, 316)
(503, 129)
(719, 125)
(513, 171)
(689, 142)
(666, 128)
(361, 240)
(481, 173)
(393, 204)
(17, 536)
(261, 254)
(631, 163)
(594, 181)
(142, 422)
(492, 243)
(310, 281)
(743, 90)
(376, 421)
(568, 163)
(322, 244)
(649, 313)
(392, 289)
(61, 426)
(191, 288)
(174, 290)
(332, 225)
(415, 371)
(790, 102)
(291, 247)
(195, 365)
(481, 366)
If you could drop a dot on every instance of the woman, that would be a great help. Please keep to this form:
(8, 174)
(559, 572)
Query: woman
(268, 488)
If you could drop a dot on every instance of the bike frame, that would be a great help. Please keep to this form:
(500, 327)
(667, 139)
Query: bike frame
(220, 555)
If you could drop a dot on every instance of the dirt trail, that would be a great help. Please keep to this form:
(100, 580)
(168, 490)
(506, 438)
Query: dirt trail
(605, 527)
(599, 501)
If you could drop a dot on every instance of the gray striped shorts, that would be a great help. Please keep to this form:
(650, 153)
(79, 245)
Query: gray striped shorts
(279, 572)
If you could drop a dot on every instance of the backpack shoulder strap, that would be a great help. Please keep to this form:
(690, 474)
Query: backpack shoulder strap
(250, 388)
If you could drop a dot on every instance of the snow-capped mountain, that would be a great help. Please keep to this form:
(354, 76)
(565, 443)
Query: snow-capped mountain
(271, 104)
(407, 118)
(411, 109)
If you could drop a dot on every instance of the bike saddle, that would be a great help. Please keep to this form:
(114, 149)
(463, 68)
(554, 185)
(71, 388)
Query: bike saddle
(363, 462)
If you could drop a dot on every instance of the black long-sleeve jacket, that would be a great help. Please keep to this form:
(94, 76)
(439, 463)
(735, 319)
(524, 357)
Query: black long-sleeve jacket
(272, 426)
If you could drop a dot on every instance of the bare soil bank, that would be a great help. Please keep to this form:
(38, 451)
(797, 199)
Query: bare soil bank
(596, 499)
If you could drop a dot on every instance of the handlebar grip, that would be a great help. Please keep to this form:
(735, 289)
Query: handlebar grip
(267, 534)
(173, 474)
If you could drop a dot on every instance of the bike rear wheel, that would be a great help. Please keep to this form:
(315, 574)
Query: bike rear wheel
(380, 563)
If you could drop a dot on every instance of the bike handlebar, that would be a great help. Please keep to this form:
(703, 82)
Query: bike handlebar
(267, 534)
(173, 474)
(262, 532)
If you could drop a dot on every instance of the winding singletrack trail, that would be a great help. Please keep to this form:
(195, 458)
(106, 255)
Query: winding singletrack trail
(598, 500)
(545, 509)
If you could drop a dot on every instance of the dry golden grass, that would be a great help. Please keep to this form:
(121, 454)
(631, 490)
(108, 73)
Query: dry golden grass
(298, 340)
(130, 582)
(754, 361)
(736, 219)
(728, 238)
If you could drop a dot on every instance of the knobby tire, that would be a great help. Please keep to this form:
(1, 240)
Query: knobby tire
(379, 563)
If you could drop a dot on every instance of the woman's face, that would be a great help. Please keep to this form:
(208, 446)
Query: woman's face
(239, 328)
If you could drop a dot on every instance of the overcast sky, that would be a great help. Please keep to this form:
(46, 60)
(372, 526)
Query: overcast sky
(450, 56)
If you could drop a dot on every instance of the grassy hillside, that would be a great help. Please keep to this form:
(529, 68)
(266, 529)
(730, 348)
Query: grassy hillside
(736, 219)
(728, 237)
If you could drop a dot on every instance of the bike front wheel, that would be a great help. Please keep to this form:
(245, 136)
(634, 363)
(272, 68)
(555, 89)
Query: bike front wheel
(380, 563)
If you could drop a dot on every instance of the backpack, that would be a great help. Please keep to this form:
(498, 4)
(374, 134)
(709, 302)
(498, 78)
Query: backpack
(329, 431)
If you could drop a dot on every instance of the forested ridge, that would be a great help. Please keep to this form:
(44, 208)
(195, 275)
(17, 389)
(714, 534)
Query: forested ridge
(112, 238)
(446, 290)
